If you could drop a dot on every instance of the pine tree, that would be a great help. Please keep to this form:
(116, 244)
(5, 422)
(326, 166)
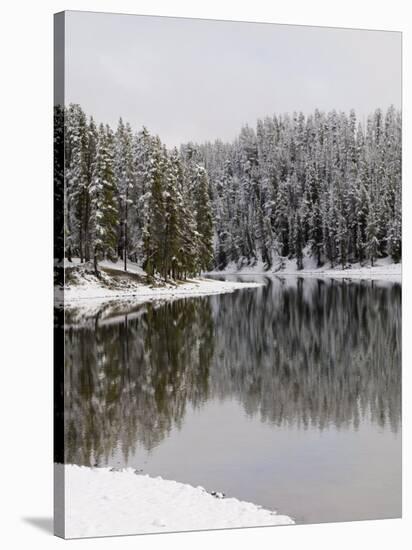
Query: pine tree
(372, 241)
(187, 253)
(298, 241)
(395, 232)
(58, 175)
(173, 229)
(316, 234)
(125, 179)
(104, 212)
(282, 218)
(76, 179)
(90, 162)
(203, 217)
(296, 183)
(154, 229)
(140, 195)
(342, 240)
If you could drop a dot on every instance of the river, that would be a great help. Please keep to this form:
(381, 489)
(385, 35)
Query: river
(287, 395)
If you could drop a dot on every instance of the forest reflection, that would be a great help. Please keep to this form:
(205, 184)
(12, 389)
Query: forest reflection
(299, 352)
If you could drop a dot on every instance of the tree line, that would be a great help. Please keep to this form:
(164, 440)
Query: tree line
(127, 197)
(321, 185)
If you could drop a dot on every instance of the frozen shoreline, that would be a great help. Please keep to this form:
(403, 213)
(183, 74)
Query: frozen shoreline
(88, 290)
(383, 270)
(101, 502)
(75, 295)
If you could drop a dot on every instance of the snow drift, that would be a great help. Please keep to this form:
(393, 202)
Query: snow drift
(103, 502)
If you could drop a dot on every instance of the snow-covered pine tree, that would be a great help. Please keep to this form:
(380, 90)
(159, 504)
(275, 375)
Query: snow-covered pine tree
(395, 231)
(298, 240)
(104, 212)
(282, 218)
(372, 242)
(248, 178)
(76, 180)
(330, 228)
(245, 197)
(203, 217)
(140, 194)
(125, 181)
(173, 214)
(58, 175)
(316, 233)
(187, 252)
(392, 148)
(154, 228)
(92, 138)
(342, 240)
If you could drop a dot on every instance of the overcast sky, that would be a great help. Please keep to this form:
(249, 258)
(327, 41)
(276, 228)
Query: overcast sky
(198, 80)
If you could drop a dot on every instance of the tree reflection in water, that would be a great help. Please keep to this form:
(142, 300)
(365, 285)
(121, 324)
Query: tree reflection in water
(299, 352)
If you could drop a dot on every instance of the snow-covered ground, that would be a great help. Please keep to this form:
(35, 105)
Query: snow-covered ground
(115, 284)
(83, 287)
(119, 265)
(195, 287)
(384, 269)
(101, 502)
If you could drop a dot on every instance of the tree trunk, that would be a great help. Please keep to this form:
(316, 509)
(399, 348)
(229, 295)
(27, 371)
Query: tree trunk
(81, 244)
(95, 263)
(125, 229)
(86, 233)
(319, 262)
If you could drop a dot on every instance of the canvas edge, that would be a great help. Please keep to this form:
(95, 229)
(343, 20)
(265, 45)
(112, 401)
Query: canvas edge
(59, 526)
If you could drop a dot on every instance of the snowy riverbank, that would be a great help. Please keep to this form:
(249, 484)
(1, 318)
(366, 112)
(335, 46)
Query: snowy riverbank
(390, 272)
(101, 502)
(383, 269)
(143, 293)
(82, 285)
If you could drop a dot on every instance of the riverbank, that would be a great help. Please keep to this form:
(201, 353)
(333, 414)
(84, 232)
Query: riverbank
(102, 502)
(383, 269)
(82, 286)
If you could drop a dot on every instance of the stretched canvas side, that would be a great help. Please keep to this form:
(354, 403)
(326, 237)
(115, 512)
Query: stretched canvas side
(58, 203)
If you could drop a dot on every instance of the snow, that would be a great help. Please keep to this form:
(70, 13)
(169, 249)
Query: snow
(102, 502)
(384, 269)
(89, 291)
(87, 287)
(194, 287)
(391, 272)
(119, 265)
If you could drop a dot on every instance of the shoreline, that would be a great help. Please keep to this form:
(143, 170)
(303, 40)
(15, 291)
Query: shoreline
(104, 502)
(79, 294)
(90, 290)
(388, 272)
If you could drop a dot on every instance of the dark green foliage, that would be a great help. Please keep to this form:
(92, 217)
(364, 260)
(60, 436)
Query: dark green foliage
(104, 213)
(204, 223)
(327, 168)
(320, 186)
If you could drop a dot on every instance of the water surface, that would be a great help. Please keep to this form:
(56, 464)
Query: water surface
(287, 396)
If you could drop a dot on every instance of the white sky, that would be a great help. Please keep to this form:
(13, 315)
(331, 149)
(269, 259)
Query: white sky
(198, 80)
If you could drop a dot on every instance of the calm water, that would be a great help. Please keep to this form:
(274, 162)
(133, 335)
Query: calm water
(288, 396)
